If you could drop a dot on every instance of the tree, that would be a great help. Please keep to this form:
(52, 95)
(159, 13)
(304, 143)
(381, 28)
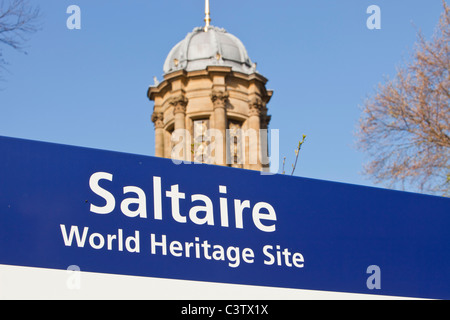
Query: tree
(17, 19)
(297, 152)
(405, 125)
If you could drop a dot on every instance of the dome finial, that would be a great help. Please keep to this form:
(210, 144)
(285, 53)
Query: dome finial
(207, 16)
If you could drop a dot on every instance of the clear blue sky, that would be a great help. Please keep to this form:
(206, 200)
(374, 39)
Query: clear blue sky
(88, 87)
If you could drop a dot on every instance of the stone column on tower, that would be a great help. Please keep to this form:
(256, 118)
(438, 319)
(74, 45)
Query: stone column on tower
(179, 104)
(219, 99)
(254, 124)
(158, 120)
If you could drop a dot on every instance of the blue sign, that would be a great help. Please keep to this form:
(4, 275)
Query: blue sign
(117, 213)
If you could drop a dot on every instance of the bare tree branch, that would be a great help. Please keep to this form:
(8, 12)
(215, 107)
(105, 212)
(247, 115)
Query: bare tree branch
(405, 126)
(17, 19)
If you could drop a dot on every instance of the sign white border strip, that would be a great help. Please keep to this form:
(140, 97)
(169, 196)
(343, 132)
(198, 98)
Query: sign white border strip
(27, 283)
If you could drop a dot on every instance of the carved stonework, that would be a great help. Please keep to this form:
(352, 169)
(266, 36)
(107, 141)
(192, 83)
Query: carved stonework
(179, 108)
(265, 120)
(235, 136)
(256, 107)
(219, 98)
(216, 98)
(179, 104)
(264, 117)
(201, 142)
(158, 119)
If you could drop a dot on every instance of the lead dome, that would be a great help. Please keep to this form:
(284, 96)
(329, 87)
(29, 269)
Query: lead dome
(214, 47)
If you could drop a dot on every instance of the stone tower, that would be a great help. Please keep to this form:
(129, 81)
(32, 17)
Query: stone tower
(212, 103)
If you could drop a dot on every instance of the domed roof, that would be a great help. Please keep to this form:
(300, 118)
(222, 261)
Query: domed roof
(203, 48)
